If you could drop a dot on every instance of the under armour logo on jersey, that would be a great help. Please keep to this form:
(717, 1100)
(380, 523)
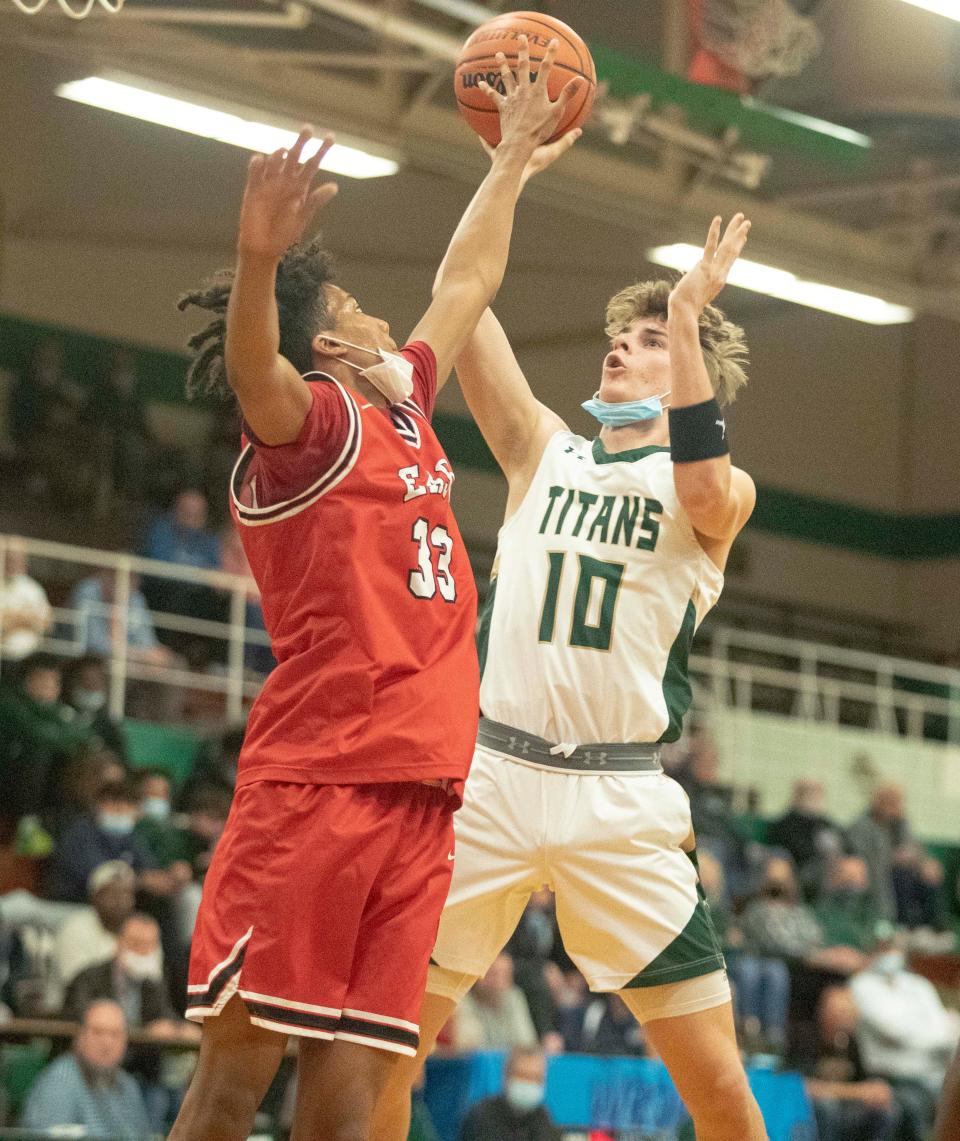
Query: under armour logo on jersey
(514, 745)
(722, 425)
(571, 448)
(405, 425)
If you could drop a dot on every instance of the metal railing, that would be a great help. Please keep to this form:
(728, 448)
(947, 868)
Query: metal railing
(68, 638)
(733, 668)
(756, 672)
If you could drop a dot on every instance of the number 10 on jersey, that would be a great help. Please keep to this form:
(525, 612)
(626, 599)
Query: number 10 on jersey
(425, 580)
(591, 626)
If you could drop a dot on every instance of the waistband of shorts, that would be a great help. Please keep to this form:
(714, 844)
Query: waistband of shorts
(598, 758)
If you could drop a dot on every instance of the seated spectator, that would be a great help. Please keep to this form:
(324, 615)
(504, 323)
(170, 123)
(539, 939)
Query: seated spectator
(807, 835)
(133, 977)
(80, 783)
(530, 947)
(118, 422)
(90, 936)
(181, 537)
(233, 560)
(779, 932)
(847, 1103)
(905, 884)
(711, 805)
(87, 1087)
(604, 1026)
(106, 835)
(87, 688)
(904, 1033)
(518, 1114)
(92, 598)
(40, 734)
(156, 827)
(494, 1015)
(24, 607)
(845, 911)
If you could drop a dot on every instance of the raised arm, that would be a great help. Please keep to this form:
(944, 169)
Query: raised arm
(278, 202)
(476, 259)
(717, 497)
(514, 423)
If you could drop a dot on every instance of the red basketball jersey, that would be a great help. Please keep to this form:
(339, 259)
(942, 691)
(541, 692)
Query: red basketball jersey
(367, 595)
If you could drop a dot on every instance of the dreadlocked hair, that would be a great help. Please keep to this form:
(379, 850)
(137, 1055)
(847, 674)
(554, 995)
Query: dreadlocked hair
(302, 304)
(724, 344)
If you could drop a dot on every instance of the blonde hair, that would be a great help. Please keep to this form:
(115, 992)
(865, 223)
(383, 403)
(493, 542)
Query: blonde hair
(724, 344)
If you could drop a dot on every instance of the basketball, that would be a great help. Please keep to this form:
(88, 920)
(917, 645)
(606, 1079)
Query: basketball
(477, 61)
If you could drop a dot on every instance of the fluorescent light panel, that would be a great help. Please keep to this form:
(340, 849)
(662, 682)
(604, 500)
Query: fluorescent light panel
(187, 112)
(948, 8)
(788, 287)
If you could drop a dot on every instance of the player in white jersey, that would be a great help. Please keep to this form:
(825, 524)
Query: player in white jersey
(611, 553)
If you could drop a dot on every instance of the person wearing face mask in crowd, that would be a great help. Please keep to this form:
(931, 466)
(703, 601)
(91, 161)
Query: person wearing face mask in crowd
(107, 834)
(518, 1114)
(905, 1033)
(134, 978)
(846, 912)
(86, 689)
(87, 1087)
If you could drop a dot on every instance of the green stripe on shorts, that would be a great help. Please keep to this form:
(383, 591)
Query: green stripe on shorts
(694, 952)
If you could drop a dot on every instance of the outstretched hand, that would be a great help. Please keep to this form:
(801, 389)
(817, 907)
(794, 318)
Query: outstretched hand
(701, 284)
(545, 155)
(280, 199)
(527, 114)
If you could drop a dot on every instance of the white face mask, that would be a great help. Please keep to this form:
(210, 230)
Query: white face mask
(143, 967)
(393, 377)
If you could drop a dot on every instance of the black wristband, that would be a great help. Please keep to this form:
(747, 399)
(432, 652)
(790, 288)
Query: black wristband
(697, 432)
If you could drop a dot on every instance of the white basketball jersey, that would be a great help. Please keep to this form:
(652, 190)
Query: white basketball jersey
(600, 584)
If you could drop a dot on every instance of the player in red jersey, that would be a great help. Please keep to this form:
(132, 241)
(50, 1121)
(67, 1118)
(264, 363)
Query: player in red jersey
(322, 903)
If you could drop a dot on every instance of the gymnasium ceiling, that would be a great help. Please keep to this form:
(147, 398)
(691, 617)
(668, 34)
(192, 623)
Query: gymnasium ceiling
(381, 70)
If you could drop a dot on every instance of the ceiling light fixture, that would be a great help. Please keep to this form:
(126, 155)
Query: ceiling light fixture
(948, 8)
(238, 126)
(788, 287)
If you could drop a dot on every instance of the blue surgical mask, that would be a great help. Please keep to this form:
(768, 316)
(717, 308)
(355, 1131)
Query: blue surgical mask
(156, 807)
(890, 963)
(117, 823)
(524, 1096)
(626, 411)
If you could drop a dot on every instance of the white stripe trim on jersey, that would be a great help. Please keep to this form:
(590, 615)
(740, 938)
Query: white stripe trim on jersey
(334, 474)
(199, 988)
(383, 1020)
(291, 1005)
(290, 1028)
(378, 1043)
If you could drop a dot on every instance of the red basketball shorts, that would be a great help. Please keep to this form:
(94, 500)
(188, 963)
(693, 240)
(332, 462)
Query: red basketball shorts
(321, 908)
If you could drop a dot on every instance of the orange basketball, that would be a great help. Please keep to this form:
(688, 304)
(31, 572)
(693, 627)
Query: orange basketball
(477, 60)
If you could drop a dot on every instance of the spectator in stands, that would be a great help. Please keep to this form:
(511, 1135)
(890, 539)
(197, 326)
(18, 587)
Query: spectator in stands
(181, 537)
(847, 1103)
(845, 912)
(518, 1114)
(90, 935)
(92, 598)
(216, 762)
(807, 835)
(530, 947)
(905, 1034)
(133, 977)
(25, 611)
(125, 442)
(86, 684)
(108, 834)
(233, 560)
(494, 1015)
(45, 411)
(40, 734)
(780, 932)
(80, 783)
(87, 1087)
(904, 882)
(711, 804)
(603, 1026)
